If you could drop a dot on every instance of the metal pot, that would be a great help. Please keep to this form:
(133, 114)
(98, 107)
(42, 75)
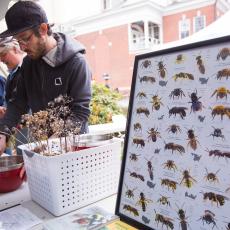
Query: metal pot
(10, 173)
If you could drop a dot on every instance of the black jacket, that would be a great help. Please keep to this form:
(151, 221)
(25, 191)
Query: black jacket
(40, 83)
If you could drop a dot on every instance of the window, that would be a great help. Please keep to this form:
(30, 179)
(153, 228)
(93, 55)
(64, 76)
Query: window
(199, 23)
(184, 28)
(106, 4)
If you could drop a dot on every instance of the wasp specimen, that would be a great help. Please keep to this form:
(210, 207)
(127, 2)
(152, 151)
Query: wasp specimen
(164, 220)
(192, 139)
(146, 64)
(200, 64)
(161, 69)
(208, 218)
(139, 142)
(174, 147)
(143, 110)
(141, 95)
(131, 209)
(221, 92)
(147, 79)
(164, 200)
(220, 110)
(150, 168)
(178, 110)
(176, 93)
(183, 76)
(170, 184)
(170, 165)
(211, 177)
(215, 198)
(143, 201)
(217, 133)
(183, 219)
(187, 180)
(156, 102)
(129, 192)
(196, 104)
(137, 127)
(223, 54)
(138, 176)
(224, 73)
(153, 134)
(180, 58)
(175, 129)
(133, 157)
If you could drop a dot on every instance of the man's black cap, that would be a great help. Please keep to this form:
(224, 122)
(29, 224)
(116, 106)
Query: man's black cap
(23, 15)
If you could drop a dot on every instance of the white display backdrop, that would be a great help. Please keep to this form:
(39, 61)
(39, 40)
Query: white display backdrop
(175, 172)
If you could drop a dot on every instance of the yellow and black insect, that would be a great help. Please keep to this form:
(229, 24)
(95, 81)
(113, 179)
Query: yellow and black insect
(180, 58)
(220, 110)
(187, 180)
(170, 184)
(164, 220)
(143, 201)
(218, 199)
(170, 165)
(156, 102)
(211, 177)
(183, 76)
(131, 209)
(200, 64)
(221, 92)
(164, 200)
(224, 73)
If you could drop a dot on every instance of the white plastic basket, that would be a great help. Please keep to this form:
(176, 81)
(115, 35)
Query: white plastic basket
(69, 181)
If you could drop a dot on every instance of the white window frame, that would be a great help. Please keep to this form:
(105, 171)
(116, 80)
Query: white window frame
(195, 24)
(106, 4)
(185, 22)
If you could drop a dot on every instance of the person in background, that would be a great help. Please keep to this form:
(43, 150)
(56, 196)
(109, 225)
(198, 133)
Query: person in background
(54, 65)
(2, 91)
(12, 56)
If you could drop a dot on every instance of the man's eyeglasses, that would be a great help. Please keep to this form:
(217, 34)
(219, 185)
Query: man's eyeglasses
(24, 41)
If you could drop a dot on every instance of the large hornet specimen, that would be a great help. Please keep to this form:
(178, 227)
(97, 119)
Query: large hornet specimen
(223, 54)
(192, 139)
(170, 184)
(177, 93)
(183, 76)
(208, 218)
(153, 134)
(221, 92)
(131, 209)
(221, 110)
(196, 104)
(161, 69)
(178, 110)
(156, 102)
(200, 64)
(164, 220)
(143, 201)
(187, 180)
(211, 177)
(170, 165)
(174, 147)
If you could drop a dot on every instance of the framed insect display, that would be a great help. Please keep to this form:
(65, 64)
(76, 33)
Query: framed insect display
(176, 164)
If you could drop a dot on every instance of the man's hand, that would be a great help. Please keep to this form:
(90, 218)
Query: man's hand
(2, 143)
(2, 111)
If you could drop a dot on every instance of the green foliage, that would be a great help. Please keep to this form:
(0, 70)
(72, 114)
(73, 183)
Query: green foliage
(103, 104)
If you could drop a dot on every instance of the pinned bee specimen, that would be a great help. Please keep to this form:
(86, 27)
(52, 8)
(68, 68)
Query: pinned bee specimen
(183, 76)
(156, 102)
(208, 218)
(139, 142)
(183, 219)
(174, 147)
(129, 192)
(147, 79)
(200, 64)
(187, 180)
(217, 133)
(141, 95)
(164, 200)
(215, 198)
(164, 220)
(175, 129)
(180, 58)
(153, 134)
(221, 92)
(143, 110)
(146, 64)
(161, 69)
(137, 176)
(177, 93)
(178, 110)
(170, 165)
(224, 73)
(170, 184)
(196, 104)
(211, 177)
(150, 168)
(131, 209)
(143, 201)
(137, 127)
(223, 54)
(220, 110)
(192, 139)
(134, 156)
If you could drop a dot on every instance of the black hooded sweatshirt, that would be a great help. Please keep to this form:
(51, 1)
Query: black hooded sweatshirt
(68, 74)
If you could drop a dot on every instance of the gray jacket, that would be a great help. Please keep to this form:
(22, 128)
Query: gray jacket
(39, 83)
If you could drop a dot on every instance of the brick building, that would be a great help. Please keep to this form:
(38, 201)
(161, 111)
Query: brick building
(124, 28)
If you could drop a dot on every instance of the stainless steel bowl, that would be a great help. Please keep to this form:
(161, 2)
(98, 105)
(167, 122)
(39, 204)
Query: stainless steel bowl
(10, 162)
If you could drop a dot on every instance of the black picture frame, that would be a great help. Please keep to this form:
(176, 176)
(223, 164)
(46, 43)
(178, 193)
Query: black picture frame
(199, 70)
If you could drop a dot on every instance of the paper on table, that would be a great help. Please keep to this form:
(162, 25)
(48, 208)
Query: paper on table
(18, 218)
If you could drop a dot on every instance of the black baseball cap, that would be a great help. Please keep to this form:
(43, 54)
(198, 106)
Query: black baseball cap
(23, 15)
